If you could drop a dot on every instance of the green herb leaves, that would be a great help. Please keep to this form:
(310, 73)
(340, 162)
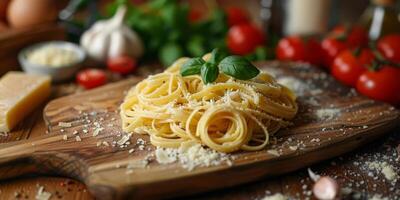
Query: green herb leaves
(192, 67)
(209, 72)
(235, 66)
(166, 31)
(217, 56)
(238, 67)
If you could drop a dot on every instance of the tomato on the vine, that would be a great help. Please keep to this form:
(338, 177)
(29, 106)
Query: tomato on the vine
(236, 16)
(341, 38)
(121, 64)
(383, 85)
(355, 36)
(349, 65)
(295, 48)
(389, 47)
(244, 38)
(91, 78)
(331, 47)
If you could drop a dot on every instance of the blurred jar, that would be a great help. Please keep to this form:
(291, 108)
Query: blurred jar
(381, 18)
(306, 17)
(296, 17)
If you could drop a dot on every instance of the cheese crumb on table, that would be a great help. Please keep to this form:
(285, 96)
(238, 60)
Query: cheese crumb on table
(277, 196)
(378, 197)
(64, 124)
(273, 152)
(191, 155)
(42, 195)
(385, 168)
(327, 113)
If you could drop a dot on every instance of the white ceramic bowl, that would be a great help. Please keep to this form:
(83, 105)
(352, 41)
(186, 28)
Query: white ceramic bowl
(60, 73)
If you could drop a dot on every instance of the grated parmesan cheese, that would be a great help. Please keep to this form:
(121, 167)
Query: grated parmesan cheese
(191, 155)
(378, 197)
(42, 195)
(64, 124)
(277, 196)
(385, 168)
(124, 139)
(294, 84)
(389, 173)
(97, 131)
(166, 156)
(327, 113)
(65, 137)
(293, 148)
(273, 152)
(105, 143)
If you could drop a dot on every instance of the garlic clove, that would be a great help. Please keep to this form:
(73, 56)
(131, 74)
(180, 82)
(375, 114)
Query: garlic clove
(119, 46)
(98, 47)
(118, 19)
(99, 26)
(110, 38)
(87, 38)
(326, 188)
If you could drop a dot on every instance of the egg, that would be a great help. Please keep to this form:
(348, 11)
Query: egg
(25, 13)
(3, 9)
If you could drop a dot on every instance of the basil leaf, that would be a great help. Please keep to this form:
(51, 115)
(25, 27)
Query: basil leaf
(209, 72)
(238, 67)
(216, 56)
(192, 67)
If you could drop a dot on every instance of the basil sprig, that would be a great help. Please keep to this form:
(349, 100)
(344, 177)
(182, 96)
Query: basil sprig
(192, 67)
(235, 66)
(238, 67)
(209, 72)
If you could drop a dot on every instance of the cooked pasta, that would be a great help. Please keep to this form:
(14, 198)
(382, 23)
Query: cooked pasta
(227, 115)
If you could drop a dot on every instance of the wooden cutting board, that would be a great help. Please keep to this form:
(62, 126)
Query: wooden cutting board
(332, 120)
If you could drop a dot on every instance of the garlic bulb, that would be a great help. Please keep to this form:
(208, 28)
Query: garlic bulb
(112, 38)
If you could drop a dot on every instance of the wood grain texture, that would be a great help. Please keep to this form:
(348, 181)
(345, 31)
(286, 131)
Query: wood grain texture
(60, 188)
(359, 121)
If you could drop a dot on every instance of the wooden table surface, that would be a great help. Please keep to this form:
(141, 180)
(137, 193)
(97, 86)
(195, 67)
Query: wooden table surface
(352, 171)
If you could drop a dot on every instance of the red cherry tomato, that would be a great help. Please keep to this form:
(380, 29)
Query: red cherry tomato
(355, 36)
(244, 38)
(121, 64)
(383, 85)
(331, 47)
(237, 16)
(91, 78)
(347, 66)
(195, 15)
(294, 48)
(389, 47)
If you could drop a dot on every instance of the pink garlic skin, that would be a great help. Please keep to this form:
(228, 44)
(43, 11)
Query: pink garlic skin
(326, 188)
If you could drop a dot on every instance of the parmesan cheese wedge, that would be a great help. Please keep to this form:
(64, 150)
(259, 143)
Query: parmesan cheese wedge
(20, 94)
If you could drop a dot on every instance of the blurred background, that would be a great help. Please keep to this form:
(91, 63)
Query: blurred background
(168, 29)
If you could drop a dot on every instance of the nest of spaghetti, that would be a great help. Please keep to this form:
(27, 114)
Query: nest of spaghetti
(227, 115)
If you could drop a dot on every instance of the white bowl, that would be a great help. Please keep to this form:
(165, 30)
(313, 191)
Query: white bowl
(59, 73)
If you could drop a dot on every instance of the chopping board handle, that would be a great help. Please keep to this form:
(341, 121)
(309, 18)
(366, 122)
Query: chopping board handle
(17, 158)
